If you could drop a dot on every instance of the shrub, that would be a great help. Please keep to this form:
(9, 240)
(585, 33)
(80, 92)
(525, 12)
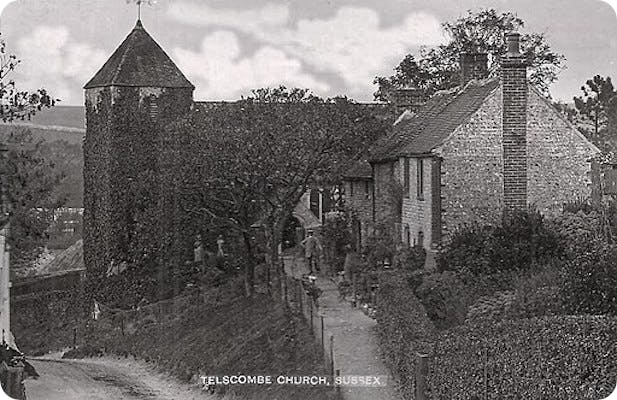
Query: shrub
(445, 299)
(404, 328)
(537, 294)
(558, 358)
(336, 237)
(380, 246)
(576, 230)
(522, 240)
(409, 258)
(490, 308)
(590, 281)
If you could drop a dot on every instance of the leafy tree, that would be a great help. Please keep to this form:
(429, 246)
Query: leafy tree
(255, 158)
(16, 104)
(28, 179)
(29, 184)
(595, 102)
(438, 68)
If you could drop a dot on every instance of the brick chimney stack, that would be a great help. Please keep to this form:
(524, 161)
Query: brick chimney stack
(514, 121)
(473, 66)
(408, 98)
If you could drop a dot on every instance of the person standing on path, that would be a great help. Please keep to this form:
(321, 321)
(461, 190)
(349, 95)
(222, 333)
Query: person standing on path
(311, 251)
(219, 244)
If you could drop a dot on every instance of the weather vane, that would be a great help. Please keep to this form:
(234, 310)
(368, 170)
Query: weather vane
(139, 3)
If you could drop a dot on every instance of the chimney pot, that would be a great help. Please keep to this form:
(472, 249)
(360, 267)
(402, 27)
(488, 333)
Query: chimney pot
(513, 41)
(408, 98)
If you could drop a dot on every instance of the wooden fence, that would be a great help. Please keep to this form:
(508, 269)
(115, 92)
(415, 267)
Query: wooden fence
(301, 302)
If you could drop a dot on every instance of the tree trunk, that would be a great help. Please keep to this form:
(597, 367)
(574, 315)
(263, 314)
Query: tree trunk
(249, 268)
(278, 273)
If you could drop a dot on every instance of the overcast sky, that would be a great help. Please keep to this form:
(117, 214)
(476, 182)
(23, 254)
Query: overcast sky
(227, 47)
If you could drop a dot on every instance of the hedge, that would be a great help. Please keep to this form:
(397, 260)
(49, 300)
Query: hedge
(404, 329)
(553, 358)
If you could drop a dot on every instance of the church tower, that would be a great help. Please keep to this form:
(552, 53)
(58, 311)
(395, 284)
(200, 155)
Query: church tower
(129, 154)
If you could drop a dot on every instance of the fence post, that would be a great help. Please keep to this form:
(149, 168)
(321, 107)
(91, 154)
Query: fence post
(421, 372)
(331, 355)
(353, 288)
(323, 345)
(337, 375)
(485, 373)
(311, 308)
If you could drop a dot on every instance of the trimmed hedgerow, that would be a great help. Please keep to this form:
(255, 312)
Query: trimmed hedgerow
(590, 281)
(404, 328)
(550, 358)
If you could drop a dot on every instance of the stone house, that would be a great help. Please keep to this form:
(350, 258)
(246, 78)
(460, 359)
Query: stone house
(469, 153)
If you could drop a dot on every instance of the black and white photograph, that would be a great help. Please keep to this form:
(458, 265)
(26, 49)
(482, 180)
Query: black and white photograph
(308, 200)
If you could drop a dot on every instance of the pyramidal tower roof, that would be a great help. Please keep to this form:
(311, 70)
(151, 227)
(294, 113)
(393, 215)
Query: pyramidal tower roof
(139, 62)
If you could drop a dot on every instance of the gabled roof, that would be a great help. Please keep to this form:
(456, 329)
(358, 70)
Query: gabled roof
(433, 123)
(139, 62)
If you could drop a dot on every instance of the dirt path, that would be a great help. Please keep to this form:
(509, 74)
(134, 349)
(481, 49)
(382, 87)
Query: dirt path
(105, 378)
(356, 351)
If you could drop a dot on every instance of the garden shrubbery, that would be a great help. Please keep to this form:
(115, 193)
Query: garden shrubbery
(590, 281)
(445, 299)
(522, 240)
(336, 237)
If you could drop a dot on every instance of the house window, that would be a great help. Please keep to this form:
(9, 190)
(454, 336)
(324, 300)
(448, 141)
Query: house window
(407, 235)
(367, 191)
(406, 176)
(420, 178)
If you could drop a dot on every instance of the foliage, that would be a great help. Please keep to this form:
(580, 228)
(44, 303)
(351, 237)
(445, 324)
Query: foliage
(15, 103)
(336, 236)
(590, 281)
(437, 68)
(595, 101)
(30, 183)
(410, 258)
(493, 308)
(576, 230)
(131, 213)
(554, 357)
(521, 241)
(445, 299)
(380, 245)
(404, 329)
(252, 336)
(252, 160)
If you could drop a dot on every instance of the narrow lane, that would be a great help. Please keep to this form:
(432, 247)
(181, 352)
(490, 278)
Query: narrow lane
(107, 378)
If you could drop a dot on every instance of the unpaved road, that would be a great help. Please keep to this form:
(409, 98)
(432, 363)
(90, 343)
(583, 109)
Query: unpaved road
(106, 378)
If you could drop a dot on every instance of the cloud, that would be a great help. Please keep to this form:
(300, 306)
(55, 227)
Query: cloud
(352, 44)
(219, 71)
(53, 60)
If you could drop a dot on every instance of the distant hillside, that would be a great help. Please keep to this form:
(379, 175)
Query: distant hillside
(72, 117)
(62, 128)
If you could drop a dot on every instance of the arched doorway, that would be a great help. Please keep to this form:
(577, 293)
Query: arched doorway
(293, 233)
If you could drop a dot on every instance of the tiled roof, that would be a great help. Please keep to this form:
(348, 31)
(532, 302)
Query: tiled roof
(139, 61)
(434, 122)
